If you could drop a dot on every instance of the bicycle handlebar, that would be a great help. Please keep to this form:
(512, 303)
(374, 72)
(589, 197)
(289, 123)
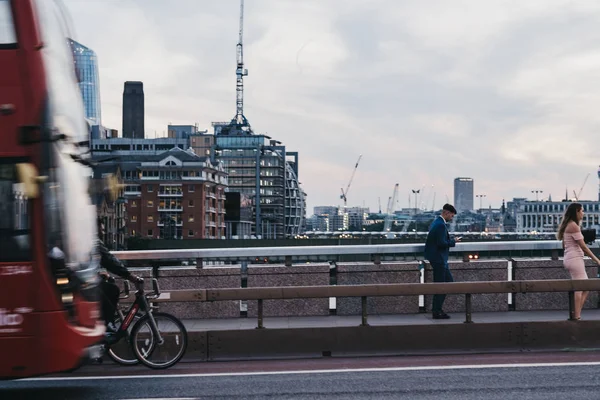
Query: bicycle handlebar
(139, 287)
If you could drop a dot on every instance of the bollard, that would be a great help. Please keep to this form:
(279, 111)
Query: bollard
(468, 308)
(571, 305)
(288, 261)
(260, 314)
(364, 311)
(199, 263)
(376, 259)
(422, 307)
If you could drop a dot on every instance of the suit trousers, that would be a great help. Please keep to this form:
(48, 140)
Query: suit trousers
(441, 273)
(109, 300)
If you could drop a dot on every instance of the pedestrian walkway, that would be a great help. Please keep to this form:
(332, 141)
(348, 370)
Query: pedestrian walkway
(232, 324)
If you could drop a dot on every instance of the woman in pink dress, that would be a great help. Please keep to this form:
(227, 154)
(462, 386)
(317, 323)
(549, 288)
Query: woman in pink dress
(569, 232)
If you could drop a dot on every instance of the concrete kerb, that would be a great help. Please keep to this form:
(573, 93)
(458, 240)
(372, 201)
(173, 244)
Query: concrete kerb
(311, 342)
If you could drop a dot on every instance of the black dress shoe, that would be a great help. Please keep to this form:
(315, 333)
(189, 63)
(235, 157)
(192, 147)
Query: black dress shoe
(441, 315)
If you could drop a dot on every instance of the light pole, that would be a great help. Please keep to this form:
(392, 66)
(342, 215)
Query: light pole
(416, 192)
(537, 192)
(481, 196)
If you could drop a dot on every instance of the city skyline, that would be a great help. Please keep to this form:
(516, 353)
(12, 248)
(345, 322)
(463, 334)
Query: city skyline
(500, 93)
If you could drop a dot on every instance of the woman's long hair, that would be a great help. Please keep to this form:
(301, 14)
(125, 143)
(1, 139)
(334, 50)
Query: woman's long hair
(570, 215)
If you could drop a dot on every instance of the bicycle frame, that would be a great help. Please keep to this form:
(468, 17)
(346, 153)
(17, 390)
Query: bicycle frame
(140, 303)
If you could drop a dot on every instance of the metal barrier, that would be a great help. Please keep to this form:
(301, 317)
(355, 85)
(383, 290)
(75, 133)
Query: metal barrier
(400, 289)
(375, 250)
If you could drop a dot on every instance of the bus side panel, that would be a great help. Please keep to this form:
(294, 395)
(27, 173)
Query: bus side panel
(16, 302)
(63, 343)
(17, 354)
(57, 347)
(10, 98)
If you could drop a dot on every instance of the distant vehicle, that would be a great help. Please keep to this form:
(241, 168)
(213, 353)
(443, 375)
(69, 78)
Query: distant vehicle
(49, 311)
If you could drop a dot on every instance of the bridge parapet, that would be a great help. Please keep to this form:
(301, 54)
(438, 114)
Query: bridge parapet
(356, 273)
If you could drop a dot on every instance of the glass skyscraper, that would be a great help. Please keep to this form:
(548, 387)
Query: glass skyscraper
(86, 68)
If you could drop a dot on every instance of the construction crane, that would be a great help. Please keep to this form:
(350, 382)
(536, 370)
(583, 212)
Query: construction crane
(578, 195)
(240, 72)
(379, 198)
(387, 225)
(345, 192)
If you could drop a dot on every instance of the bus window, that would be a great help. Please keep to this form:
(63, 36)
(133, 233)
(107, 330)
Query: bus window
(8, 38)
(14, 217)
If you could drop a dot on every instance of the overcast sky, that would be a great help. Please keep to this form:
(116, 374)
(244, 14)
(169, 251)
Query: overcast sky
(505, 92)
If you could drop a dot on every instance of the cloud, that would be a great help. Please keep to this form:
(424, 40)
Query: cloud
(502, 91)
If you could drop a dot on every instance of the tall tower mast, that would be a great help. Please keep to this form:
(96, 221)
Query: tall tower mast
(240, 72)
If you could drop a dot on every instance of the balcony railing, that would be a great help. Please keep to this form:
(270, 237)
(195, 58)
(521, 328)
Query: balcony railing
(170, 194)
(177, 209)
(178, 223)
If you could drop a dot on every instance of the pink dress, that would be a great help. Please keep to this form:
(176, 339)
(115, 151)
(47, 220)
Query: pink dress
(573, 260)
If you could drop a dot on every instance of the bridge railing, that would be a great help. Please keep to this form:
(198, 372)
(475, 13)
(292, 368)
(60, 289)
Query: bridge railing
(505, 270)
(305, 252)
(401, 289)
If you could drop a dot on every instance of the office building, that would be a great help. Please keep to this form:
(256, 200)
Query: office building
(463, 194)
(86, 70)
(260, 168)
(546, 216)
(133, 110)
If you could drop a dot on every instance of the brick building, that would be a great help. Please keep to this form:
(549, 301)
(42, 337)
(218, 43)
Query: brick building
(110, 210)
(174, 195)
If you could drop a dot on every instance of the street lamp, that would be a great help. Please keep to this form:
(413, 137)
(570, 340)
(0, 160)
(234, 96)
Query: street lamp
(481, 196)
(416, 192)
(537, 192)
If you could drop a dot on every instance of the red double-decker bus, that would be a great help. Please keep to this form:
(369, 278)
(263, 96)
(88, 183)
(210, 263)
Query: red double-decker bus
(49, 311)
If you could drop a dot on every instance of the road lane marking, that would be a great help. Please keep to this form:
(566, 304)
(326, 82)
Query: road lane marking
(316, 371)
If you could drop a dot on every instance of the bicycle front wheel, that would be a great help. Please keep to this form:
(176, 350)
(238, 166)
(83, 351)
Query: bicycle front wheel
(156, 353)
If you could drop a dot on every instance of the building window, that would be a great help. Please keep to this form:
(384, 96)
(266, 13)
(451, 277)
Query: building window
(191, 218)
(149, 232)
(134, 218)
(133, 232)
(150, 218)
(150, 203)
(134, 203)
(190, 232)
(150, 188)
(191, 203)
(191, 188)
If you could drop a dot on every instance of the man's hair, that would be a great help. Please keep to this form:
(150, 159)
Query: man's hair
(450, 208)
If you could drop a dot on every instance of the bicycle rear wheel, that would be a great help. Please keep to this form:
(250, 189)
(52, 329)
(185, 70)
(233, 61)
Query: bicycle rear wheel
(152, 353)
(121, 352)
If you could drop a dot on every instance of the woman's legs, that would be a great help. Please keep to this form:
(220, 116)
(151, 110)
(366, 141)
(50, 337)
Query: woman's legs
(580, 298)
(576, 268)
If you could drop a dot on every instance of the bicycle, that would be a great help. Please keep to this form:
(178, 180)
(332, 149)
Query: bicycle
(152, 337)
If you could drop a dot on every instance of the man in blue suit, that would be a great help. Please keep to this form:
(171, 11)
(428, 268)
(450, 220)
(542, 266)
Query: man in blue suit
(437, 247)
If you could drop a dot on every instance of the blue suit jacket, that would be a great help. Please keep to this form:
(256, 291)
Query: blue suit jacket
(438, 243)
